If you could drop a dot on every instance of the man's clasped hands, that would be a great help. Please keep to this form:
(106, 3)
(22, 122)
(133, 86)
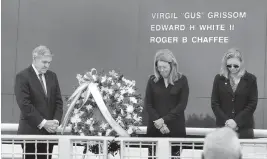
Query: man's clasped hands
(51, 126)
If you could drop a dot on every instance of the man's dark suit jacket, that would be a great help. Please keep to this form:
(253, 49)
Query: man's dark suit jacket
(167, 103)
(34, 104)
(239, 105)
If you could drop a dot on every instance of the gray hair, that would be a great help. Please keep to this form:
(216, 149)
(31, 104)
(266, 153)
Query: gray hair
(232, 53)
(222, 143)
(167, 56)
(41, 50)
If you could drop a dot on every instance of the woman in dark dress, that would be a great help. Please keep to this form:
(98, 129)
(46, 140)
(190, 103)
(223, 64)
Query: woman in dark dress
(166, 97)
(235, 95)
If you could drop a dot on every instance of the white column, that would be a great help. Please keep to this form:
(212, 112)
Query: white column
(163, 148)
(105, 149)
(64, 147)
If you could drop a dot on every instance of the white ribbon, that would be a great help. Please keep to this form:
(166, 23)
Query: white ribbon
(103, 108)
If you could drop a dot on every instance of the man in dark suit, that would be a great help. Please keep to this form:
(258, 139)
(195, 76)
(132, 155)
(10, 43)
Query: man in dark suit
(39, 99)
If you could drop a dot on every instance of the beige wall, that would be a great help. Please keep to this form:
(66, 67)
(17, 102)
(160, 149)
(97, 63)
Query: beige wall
(115, 35)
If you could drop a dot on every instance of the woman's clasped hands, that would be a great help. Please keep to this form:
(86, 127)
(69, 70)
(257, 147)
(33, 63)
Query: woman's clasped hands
(159, 124)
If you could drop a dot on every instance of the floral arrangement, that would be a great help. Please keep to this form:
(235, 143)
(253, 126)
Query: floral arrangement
(121, 99)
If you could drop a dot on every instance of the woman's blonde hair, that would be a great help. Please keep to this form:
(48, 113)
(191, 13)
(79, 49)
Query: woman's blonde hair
(167, 56)
(232, 53)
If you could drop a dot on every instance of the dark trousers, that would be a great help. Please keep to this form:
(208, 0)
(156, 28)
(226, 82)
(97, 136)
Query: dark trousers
(175, 150)
(41, 148)
(246, 133)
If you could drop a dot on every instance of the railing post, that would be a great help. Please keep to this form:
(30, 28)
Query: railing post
(122, 148)
(64, 147)
(105, 149)
(163, 148)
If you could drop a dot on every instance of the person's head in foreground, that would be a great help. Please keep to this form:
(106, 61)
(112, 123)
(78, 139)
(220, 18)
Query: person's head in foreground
(223, 143)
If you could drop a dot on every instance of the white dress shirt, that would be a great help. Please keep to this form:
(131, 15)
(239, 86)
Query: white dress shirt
(43, 77)
(41, 125)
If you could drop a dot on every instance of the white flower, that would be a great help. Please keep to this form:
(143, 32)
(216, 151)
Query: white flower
(136, 118)
(103, 79)
(107, 90)
(128, 116)
(104, 125)
(130, 130)
(130, 90)
(123, 91)
(132, 99)
(109, 78)
(116, 95)
(89, 107)
(83, 95)
(118, 84)
(85, 76)
(80, 78)
(122, 112)
(94, 77)
(122, 125)
(110, 91)
(88, 121)
(108, 131)
(133, 82)
(113, 73)
(125, 80)
(82, 134)
(77, 102)
(141, 109)
(118, 119)
(91, 128)
(75, 119)
(129, 109)
(76, 111)
(75, 128)
(120, 98)
(105, 97)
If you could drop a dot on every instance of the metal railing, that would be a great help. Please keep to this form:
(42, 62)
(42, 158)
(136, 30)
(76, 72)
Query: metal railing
(77, 147)
(72, 147)
(258, 133)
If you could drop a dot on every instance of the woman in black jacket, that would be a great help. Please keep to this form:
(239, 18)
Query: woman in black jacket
(235, 95)
(166, 98)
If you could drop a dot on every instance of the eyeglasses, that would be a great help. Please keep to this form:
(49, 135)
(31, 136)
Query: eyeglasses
(231, 66)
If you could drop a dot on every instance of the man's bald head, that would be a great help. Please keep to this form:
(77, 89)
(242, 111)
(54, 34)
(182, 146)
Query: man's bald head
(223, 143)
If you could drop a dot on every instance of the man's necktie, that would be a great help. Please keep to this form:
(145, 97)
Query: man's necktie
(42, 82)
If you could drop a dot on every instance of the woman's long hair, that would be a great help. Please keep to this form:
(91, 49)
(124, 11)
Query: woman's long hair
(167, 56)
(232, 53)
